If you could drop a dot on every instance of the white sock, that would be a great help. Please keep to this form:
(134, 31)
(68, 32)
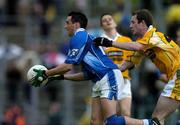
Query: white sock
(145, 122)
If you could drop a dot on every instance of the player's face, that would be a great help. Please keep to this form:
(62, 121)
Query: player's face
(108, 22)
(69, 26)
(135, 27)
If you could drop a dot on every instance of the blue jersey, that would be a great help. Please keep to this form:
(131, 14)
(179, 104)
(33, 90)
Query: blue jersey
(93, 59)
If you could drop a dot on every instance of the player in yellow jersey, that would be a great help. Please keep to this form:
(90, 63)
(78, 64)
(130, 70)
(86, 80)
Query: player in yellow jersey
(118, 56)
(166, 57)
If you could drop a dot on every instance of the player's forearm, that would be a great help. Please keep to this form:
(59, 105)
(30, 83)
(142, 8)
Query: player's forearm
(133, 46)
(74, 77)
(126, 65)
(59, 70)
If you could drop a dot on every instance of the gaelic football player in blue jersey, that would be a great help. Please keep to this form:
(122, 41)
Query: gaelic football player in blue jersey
(96, 66)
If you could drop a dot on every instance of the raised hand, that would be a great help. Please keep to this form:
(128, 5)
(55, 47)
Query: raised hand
(101, 41)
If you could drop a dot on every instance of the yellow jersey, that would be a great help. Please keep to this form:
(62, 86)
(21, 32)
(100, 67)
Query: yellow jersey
(117, 55)
(167, 52)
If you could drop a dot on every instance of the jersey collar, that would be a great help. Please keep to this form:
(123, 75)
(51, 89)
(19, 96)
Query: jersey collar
(80, 29)
(117, 35)
(150, 30)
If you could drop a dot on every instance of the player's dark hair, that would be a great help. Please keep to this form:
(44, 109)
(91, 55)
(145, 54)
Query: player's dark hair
(102, 17)
(144, 15)
(79, 17)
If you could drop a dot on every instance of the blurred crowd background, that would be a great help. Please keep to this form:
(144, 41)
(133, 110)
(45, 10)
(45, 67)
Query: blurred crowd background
(32, 32)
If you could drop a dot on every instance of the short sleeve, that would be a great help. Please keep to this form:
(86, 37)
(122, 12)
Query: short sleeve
(78, 48)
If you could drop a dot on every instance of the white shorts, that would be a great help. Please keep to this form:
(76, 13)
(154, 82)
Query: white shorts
(172, 88)
(109, 86)
(126, 91)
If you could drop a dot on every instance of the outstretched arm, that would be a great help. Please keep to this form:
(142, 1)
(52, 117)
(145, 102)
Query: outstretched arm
(51, 74)
(134, 46)
(75, 77)
(59, 70)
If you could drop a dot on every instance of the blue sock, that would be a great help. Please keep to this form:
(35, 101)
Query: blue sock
(115, 120)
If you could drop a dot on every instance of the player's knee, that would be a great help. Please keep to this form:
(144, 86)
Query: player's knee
(115, 120)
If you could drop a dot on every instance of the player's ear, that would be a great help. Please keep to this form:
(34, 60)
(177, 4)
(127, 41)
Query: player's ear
(77, 25)
(143, 22)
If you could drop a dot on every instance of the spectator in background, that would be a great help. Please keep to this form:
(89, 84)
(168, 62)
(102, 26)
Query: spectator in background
(55, 114)
(122, 17)
(13, 81)
(178, 36)
(59, 8)
(14, 115)
(11, 12)
(147, 4)
(10, 51)
(2, 12)
(24, 11)
(172, 30)
(148, 93)
(43, 23)
(173, 19)
(172, 14)
(45, 12)
(86, 116)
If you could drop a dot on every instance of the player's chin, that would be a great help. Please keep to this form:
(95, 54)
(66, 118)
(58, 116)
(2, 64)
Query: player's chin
(69, 33)
(132, 31)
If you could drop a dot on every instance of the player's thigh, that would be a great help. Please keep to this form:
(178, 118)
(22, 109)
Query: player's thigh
(108, 107)
(96, 113)
(124, 107)
(124, 100)
(164, 107)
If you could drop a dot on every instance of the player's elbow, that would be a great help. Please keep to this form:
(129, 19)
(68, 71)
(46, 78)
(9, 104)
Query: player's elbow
(63, 68)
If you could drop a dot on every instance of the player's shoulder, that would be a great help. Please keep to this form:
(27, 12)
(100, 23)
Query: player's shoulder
(124, 39)
(79, 36)
(81, 33)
